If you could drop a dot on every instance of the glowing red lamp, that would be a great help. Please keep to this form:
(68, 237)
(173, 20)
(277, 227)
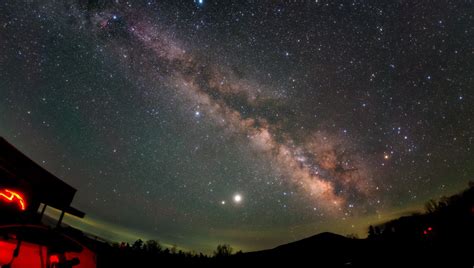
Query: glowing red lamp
(428, 230)
(53, 259)
(13, 197)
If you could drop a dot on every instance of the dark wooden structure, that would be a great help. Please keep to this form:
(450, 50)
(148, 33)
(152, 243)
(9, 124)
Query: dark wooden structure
(39, 186)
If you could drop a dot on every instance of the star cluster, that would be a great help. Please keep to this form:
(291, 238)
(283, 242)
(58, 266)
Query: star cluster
(249, 123)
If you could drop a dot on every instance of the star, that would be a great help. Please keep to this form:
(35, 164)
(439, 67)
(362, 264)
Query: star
(237, 198)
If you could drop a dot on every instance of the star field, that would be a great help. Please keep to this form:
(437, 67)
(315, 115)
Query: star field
(249, 123)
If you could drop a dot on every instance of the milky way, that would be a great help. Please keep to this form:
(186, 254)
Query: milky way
(319, 116)
(315, 165)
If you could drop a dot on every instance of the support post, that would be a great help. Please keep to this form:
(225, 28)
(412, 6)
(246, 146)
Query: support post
(43, 210)
(60, 219)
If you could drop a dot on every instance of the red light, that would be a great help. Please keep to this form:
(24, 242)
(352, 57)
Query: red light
(12, 196)
(425, 232)
(53, 259)
(430, 229)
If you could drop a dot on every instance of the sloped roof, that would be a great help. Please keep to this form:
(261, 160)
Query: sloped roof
(44, 186)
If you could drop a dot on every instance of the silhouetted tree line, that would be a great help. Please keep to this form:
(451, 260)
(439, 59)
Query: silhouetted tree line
(448, 218)
(151, 251)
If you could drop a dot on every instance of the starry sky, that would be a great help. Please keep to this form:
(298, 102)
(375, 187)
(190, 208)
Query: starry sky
(252, 123)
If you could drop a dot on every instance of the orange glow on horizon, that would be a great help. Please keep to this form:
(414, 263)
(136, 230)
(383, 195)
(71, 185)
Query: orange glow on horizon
(12, 196)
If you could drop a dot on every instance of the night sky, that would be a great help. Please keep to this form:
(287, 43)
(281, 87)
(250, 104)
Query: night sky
(252, 123)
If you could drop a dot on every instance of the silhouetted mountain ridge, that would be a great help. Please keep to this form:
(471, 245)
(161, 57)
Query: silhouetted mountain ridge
(322, 239)
(322, 248)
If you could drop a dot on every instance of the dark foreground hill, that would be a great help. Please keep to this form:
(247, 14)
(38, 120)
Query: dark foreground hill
(324, 248)
(332, 250)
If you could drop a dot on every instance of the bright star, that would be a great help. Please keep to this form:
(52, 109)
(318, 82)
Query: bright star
(237, 198)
